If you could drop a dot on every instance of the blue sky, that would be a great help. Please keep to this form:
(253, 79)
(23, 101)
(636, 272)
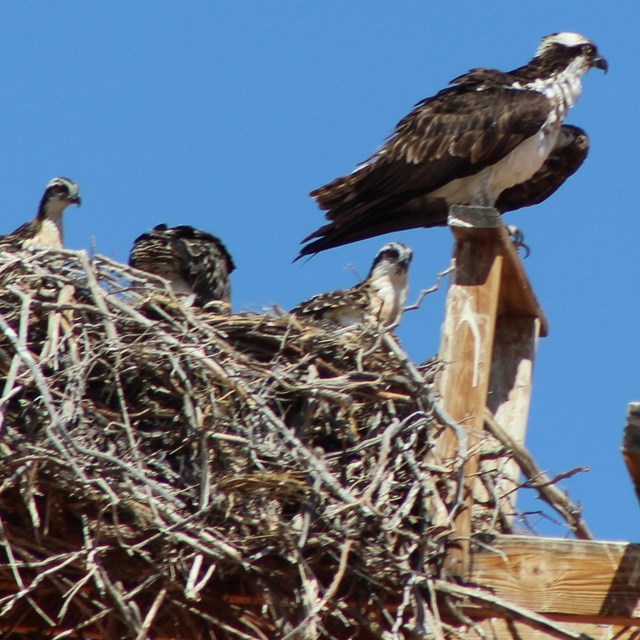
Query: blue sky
(224, 115)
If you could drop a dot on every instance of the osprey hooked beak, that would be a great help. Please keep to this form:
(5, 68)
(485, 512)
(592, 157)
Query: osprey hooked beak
(599, 62)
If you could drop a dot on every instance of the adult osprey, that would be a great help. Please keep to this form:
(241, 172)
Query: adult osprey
(196, 263)
(491, 139)
(378, 299)
(45, 230)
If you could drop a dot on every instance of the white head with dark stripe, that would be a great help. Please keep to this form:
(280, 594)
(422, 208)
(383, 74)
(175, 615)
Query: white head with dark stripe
(388, 278)
(46, 230)
(560, 51)
(394, 258)
(58, 195)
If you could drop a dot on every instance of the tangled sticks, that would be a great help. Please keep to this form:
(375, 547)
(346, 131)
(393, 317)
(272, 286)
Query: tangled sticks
(173, 472)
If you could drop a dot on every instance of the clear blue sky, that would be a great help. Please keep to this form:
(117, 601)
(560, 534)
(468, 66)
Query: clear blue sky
(223, 115)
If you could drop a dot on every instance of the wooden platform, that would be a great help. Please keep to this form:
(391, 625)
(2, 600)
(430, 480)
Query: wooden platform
(588, 587)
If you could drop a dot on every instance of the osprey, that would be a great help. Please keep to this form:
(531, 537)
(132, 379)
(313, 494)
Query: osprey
(378, 299)
(45, 230)
(492, 138)
(196, 263)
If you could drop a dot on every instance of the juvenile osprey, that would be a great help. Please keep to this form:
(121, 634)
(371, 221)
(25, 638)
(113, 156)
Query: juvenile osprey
(45, 230)
(378, 299)
(487, 133)
(196, 263)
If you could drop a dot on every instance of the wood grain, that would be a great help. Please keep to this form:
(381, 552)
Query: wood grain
(599, 582)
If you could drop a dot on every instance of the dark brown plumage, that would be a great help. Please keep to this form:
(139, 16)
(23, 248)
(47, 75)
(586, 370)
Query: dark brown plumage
(565, 159)
(195, 262)
(468, 144)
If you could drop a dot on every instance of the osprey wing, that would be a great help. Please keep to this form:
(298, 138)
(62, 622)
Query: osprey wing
(17, 238)
(204, 263)
(565, 159)
(184, 254)
(456, 133)
(342, 307)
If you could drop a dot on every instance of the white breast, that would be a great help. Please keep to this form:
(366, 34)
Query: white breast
(484, 188)
(389, 298)
(49, 236)
(525, 160)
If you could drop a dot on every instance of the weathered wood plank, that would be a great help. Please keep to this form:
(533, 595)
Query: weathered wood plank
(510, 386)
(517, 296)
(492, 323)
(597, 581)
(501, 629)
(466, 348)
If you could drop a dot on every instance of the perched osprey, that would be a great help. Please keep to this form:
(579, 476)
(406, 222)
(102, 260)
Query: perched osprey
(470, 144)
(45, 230)
(378, 299)
(196, 263)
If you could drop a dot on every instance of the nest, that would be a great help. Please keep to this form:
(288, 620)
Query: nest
(172, 472)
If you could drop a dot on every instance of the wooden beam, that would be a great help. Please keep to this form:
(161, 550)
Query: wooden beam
(466, 348)
(631, 445)
(510, 387)
(501, 629)
(489, 335)
(569, 580)
(517, 297)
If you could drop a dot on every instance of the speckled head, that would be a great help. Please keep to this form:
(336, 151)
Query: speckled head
(395, 253)
(58, 195)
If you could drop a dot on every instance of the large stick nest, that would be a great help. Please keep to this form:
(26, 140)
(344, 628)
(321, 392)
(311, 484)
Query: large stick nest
(178, 473)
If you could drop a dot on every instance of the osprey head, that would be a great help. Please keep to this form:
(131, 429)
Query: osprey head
(571, 49)
(58, 195)
(393, 257)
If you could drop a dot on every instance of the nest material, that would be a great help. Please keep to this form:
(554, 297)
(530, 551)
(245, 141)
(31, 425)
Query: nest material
(179, 473)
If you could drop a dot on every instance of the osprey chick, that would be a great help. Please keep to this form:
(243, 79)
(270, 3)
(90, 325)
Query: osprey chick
(378, 299)
(45, 230)
(196, 263)
(487, 133)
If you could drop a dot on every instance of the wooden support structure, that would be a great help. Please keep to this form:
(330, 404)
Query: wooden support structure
(492, 323)
(518, 587)
(590, 587)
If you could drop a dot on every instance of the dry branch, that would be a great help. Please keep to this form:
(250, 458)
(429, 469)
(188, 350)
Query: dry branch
(539, 480)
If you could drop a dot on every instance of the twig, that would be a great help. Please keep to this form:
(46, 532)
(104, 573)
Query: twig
(539, 481)
(507, 609)
(151, 614)
(425, 292)
(330, 592)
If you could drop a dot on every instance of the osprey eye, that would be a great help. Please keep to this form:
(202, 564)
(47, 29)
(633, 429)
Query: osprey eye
(588, 49)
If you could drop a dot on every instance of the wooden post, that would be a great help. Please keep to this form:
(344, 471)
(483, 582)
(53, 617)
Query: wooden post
(631, 445)
(510, 387)
(492, 322)
(466, 348)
